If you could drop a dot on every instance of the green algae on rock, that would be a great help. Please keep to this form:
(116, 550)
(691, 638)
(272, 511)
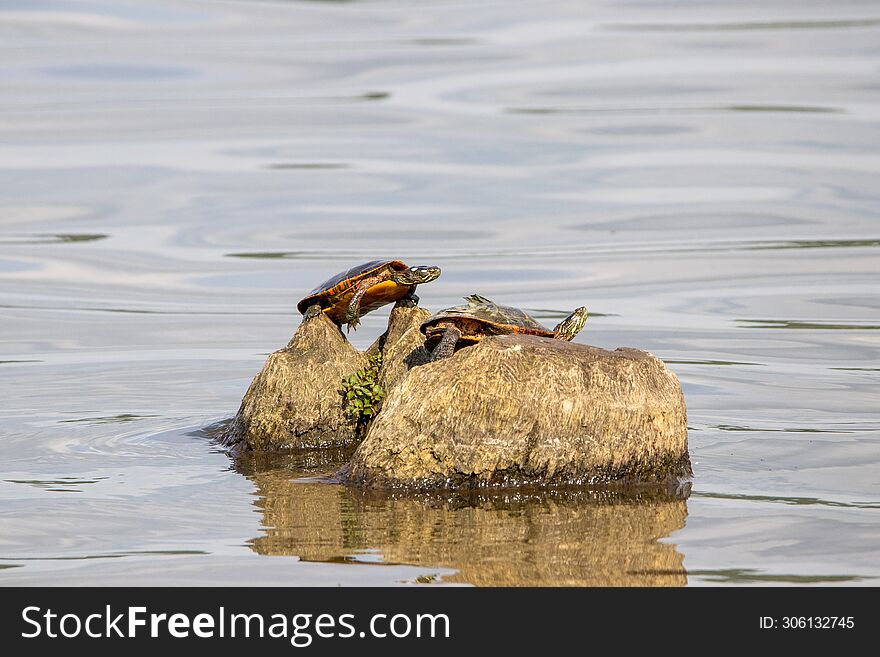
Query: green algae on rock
(362, 393)
(522, 409)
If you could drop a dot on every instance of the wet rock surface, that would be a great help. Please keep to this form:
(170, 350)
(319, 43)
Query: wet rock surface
(520, 409)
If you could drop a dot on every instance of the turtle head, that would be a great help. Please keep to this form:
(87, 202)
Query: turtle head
(416, 275)
(571, 325)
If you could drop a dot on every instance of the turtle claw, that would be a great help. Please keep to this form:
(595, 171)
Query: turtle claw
(411, 301)
(313, 311)
(353, 323)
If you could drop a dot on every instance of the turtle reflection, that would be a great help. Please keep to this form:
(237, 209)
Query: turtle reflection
(518, 538)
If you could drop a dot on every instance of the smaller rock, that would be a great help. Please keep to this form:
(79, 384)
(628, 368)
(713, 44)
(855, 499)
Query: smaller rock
(403, 345)
(294, 401)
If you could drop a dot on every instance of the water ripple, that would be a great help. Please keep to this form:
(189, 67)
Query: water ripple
(797, 501)
(817, 24)
(67, 238)
(805, 325)
(670, 109)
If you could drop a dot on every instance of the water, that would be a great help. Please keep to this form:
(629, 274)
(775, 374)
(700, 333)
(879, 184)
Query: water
(176, 175)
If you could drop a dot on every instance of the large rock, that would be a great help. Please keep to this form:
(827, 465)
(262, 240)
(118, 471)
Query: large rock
(521, 409)
(294, 401)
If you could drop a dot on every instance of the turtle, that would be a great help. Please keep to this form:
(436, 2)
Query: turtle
(481, 317)
(356, 291)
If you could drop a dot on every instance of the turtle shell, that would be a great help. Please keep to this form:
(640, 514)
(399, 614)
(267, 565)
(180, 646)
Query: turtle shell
(336, 291)
(482, 317)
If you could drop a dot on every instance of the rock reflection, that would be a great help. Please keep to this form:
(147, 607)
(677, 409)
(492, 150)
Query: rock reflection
(521, 538)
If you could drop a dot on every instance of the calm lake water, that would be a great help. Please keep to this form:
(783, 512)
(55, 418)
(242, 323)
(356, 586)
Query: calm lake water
(704, 176)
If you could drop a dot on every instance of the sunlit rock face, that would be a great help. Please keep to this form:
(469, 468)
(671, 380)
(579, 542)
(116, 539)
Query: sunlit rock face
(403, 345)
(521, 409)
(294, 401)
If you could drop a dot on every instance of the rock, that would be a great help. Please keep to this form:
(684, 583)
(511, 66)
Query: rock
(520, 409)
(403, 345)
(294, 401)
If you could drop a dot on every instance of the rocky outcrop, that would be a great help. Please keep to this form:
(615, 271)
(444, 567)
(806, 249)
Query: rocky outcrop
(294, 401)
(403, 345)
(520, 409)
(512, 410)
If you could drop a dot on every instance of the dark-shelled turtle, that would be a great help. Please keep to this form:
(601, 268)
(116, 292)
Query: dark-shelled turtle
(350, 294)
(464, 325)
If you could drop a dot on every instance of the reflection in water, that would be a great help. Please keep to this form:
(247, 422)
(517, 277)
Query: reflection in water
(518, 538)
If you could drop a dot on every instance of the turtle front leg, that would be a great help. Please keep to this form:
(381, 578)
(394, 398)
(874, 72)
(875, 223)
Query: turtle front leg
(312, 311)
(446, 347)
(409, 301)
(353, 314)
